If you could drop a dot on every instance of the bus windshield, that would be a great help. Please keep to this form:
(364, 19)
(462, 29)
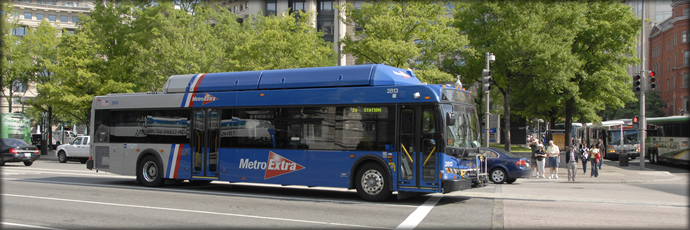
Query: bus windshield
(464, 133)
(614, 137)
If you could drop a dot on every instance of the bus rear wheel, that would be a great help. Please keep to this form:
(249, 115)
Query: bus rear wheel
(149, 172)
(371, 183)
(653, 158)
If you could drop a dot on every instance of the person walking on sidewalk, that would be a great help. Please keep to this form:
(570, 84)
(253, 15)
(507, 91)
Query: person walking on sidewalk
(533, 160)
(571, 163)
(603, 154)
(554, 154)
(540, 155)
(594, 157)
(584, 156)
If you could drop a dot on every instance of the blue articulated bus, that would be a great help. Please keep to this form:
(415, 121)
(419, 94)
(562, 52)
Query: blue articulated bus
(373, 128)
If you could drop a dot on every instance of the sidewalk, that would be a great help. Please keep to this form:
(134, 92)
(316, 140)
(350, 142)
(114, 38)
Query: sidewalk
(610, 172)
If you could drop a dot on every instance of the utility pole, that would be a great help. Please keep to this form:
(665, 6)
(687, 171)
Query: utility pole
(643, 121)
(486, 86)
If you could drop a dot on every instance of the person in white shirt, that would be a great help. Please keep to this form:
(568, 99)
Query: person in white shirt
(554, 154)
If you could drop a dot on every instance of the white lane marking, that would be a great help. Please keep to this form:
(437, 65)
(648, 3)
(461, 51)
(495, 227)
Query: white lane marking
(418, 215)
(193, 211)
(11, 172)
(212, 193)
(28, 226)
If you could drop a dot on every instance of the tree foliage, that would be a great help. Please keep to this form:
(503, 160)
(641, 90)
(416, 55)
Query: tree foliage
(531, 43)
(404, 34)
(282, 42)
(134, 46)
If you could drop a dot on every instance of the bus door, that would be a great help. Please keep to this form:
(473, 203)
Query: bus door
(205, 143)
(418, 153)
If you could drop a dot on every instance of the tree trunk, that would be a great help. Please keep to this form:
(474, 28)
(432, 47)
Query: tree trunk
(569, 107)
(506, 135)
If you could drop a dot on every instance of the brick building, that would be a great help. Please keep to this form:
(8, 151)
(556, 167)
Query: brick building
(669, 58)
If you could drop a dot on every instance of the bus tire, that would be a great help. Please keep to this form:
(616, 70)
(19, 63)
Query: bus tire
(372, 183)
(149, 172)
(62, 157)
(653, 158)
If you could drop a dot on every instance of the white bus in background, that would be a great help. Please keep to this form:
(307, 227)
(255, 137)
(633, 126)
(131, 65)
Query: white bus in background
(608, 135)
(667, 139)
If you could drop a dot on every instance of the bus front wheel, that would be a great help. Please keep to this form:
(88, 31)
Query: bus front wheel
(149, 172)
(371, 183)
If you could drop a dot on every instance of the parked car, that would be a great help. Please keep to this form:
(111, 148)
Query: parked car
(15, 150)
(78, 150)
(504, 166)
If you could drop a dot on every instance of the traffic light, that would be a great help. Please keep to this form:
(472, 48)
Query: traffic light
(636, 122)
(652, 79)
(486, 80)
(637, 83)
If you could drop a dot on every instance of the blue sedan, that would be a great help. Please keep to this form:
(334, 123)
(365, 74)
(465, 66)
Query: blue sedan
(505, 166)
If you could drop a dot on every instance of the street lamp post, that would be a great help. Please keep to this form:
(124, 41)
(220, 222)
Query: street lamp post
(538, 128)
(23, 100)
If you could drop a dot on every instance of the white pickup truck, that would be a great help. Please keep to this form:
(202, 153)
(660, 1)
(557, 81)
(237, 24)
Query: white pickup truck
(77, 150)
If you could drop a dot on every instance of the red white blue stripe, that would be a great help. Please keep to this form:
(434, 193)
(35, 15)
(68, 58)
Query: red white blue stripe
(174, 161)
(193, 86)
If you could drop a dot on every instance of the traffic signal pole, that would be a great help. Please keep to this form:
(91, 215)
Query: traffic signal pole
(643, 120)
(486, 105)
(486, 87)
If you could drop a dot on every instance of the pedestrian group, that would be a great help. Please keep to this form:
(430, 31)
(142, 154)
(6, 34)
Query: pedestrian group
(573, 155)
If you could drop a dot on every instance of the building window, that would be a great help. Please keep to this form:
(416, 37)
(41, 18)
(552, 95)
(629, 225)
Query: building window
(241, 8)
(683, 37)
(15, 15)
(326, 6)
(297, 6)
(27, 16)
(19, 31)
(270, 8)
(75, 19)
(235, 9)
(686, 12)
(18, 86)
(39, 17)
(675, 60)
(246, 5)
(686, 58)
(668, 45)
(63, 19)
(68, 32)
(686, 80)
(668, 85)
(51, 18)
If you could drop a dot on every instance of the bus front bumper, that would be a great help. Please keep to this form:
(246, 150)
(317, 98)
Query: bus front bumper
(456, 184)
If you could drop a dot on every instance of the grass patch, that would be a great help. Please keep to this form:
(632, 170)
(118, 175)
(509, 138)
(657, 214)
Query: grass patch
(513, 148)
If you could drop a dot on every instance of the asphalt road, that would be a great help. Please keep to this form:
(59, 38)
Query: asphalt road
(50, 195)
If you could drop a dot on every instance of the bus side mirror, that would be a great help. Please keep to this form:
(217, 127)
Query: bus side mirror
(450, 119)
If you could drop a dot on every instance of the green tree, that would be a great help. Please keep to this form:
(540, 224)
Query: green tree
(653, 105)
(278, 42)
(605, 46)
(14, 59)
(165, 41)
(531, 43)
(405, 34)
